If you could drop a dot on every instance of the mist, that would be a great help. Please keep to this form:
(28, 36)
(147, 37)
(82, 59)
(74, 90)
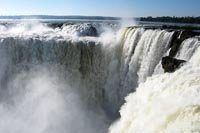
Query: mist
(127, 22)
(40, 94)
(41, 101)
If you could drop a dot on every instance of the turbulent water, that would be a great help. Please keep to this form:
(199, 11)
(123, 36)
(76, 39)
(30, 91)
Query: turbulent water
(74, 79)
(166, 103)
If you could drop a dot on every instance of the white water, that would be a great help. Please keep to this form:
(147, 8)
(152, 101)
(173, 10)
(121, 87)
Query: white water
(166, 103)
(142, 51)
(46, 81)
(188, 48)
(55, 81)
(40, 101)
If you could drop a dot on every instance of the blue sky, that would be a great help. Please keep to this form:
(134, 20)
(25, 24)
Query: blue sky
(121, 8)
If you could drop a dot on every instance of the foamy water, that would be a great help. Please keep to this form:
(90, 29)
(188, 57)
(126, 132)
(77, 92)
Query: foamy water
(61, 80)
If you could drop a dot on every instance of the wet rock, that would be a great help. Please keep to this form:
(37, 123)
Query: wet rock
(55, 25)
(178, 38)
(171, 64)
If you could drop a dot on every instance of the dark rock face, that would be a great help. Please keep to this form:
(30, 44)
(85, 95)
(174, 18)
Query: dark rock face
(175, 43)
(178, 38)
(170, 64)
(55, 25)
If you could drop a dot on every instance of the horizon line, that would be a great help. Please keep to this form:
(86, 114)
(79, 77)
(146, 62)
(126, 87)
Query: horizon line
(48, 15)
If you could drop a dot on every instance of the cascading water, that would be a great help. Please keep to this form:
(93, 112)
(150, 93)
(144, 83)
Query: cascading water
(188, 48)
(142, 51)
(50, 81)
(74, 78)
(166, 103)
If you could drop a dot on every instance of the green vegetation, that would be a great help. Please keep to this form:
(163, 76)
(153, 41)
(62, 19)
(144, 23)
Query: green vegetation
(193, 20)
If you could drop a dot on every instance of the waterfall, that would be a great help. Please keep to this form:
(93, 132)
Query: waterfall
(142, 51)
(51, 81)
(188, 48)
(167, 102)
(74, 78)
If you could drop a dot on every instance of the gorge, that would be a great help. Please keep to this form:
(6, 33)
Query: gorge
(74, 78)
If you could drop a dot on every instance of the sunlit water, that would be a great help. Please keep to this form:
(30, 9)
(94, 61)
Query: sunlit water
(55, 80)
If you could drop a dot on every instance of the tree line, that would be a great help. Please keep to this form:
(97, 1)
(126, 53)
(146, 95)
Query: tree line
(193, 20)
